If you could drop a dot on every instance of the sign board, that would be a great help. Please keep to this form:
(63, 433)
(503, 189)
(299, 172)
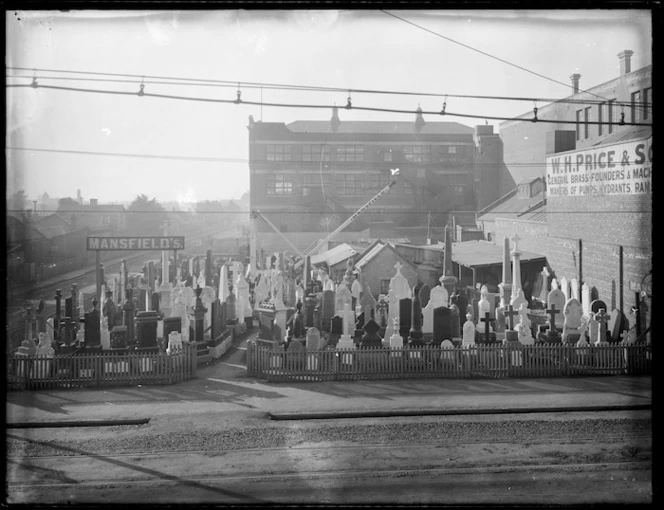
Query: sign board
(620, 169)
(136, 243)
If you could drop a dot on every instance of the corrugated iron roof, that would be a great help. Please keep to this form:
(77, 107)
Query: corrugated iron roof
(513, 206)
(634, 133)
(369, 255)
(484, 253)
(334, 255)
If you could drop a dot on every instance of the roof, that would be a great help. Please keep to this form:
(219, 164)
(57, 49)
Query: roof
(484, 253)
(334, 255)
(634, 133)
(380, 127)
(514, 206)
(372, 251)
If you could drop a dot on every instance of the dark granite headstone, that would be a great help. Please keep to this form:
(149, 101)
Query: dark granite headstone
(405, 311)
(146, 328)
(327, 311)
(337, 325)
(597, 305)
(92, 331)
(370, 338)
(442, 324)
(154, 302)
(309, 308)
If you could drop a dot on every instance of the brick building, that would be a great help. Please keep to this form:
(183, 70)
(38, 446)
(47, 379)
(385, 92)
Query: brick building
(310, 176)
(593, 220)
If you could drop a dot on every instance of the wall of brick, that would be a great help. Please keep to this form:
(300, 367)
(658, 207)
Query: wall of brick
(381, 267)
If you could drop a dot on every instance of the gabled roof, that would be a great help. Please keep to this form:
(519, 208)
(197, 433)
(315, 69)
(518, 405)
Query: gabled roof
(374, 249)
(380, 127)
(514, 206)
(334, 255)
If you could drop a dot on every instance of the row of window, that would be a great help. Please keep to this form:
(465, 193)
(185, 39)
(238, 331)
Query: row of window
(345, 184)
(607, 115)
(348, 184)
(356, 153)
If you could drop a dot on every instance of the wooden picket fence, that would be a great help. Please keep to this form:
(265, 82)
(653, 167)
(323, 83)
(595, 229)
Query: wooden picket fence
(100, 369)
(480, 361)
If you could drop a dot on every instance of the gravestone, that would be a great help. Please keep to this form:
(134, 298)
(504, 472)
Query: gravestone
(597, 305)
(415, 332)
(484, 307)
(337, 325)
(447, 348)
(310, 305)
(442, 325)
(556, 298)
(468, 331)
(370, 337)
(437, 297)
(564, 287)
(382, 312)
(146, 329)
(343, 296)
(574, 289)
(618, 323)
(392, 313)
(524, 332)
(425, 294)
(396, 340)
(572, 315)
(455, 319)
(313, 341)
(585, 299)
(593, 329)
(328, 310)
(174, 343)
(105, 335)
(368, 303)
(405, 311)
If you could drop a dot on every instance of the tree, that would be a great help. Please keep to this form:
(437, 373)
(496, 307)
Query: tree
(68, 205)
(145, 216)
(18, 201)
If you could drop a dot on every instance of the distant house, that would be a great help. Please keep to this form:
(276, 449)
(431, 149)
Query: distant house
(334, 260)
(376, 266)
(101, 219)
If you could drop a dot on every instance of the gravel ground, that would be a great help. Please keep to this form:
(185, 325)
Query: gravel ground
(145, 439)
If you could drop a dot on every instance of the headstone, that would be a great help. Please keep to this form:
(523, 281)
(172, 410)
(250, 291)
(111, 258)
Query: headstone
(437, 297)
(242, 305)
(415, 332)
(574, 289)
(486, 323)
(370, 337)
(564, 287)
(572, 316)
(425, 295)
(337, 327)
(224, 284)
(523, 327)
(343, 296)
(597, 305)
(442, 324)
(392, 313)
(545, 285)
(556, 298)
(399, 284)
(484, 307)
(405, 311)
(455, 319)
(447, 348)
(174, 343)
(146, 329)
(617, 325)
(327, 309)
(368, 303)
(382, 309)
(310, 305)
(395, 340)
(585, 299)
(261, 291)
(105, 335)
(348, 320)
(313, 342)
(603, 318)
(468, 331)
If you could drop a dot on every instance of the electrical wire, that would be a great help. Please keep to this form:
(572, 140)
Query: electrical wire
(99, 210)
(291, 87)
(492, 56)
(339, 165)
(142, 93)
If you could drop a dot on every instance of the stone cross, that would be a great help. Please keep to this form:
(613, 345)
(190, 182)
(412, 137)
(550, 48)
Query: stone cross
(487, 319)
(545, 284)
(515, 238)
(509, 314)
(603, 318)
(552, 311)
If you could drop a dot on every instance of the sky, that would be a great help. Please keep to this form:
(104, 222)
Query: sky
(207, 143)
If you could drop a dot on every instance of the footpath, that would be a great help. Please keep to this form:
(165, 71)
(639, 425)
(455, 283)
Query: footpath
(222, 395)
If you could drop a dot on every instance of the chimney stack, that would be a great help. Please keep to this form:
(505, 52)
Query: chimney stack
(625, 57)
(575, 82)
(94, 201)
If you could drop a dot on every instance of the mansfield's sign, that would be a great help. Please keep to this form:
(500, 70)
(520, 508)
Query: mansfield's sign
(620, 169)
(136, 243)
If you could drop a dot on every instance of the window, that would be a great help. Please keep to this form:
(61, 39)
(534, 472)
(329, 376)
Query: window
(417, 153)
(376, 182)
(312, 153)
(387, 156)
(384, 286)
(279, 184)
(647, 101)
(600, 108)
(586, 119)
(609, 115)
(408, 188)
(636, 107)
(279, 152)
(350, 153)
(350, 184)
(578, 124)
(451, 149)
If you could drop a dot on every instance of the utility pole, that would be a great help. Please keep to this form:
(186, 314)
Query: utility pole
(428, 227)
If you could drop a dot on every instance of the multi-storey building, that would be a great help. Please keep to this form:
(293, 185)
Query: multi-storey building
(310, 176)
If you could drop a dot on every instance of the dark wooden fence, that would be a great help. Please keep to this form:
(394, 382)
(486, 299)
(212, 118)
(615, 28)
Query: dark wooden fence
(100, 369)
(481, 361)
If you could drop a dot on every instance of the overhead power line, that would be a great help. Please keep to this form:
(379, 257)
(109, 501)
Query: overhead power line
(202, 82)
(492, 56)
(446, 165)
(444, 112)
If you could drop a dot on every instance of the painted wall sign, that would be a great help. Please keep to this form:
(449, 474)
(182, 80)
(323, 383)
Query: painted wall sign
(621, 169)
(136, 243)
